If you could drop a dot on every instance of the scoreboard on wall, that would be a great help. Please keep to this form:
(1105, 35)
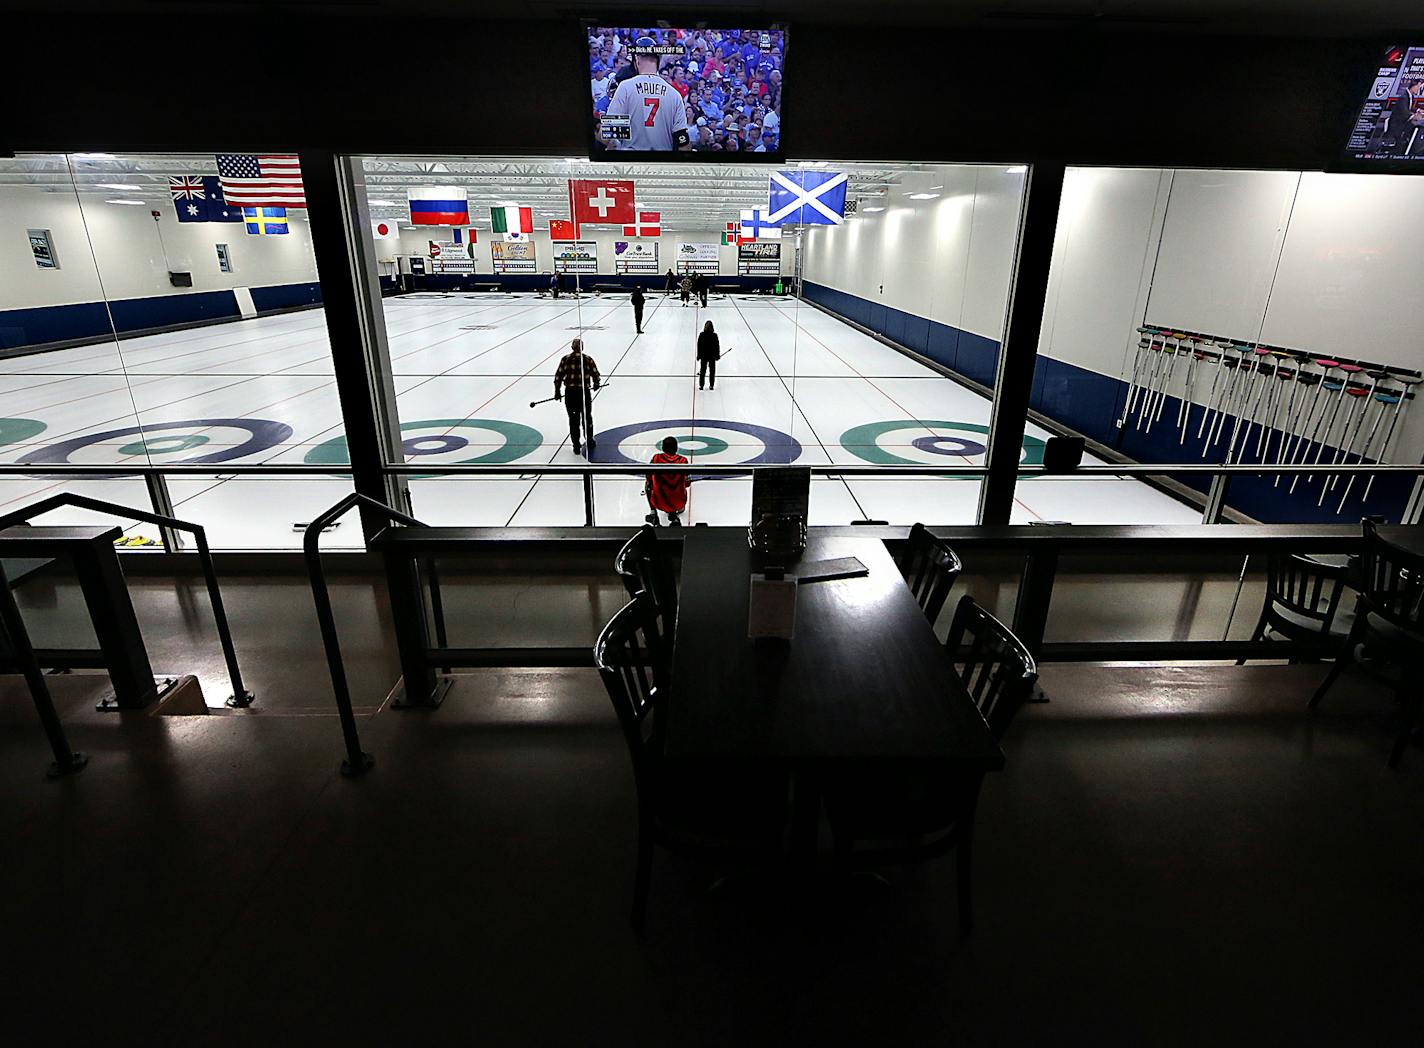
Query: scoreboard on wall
(576, 256)
(759, 260)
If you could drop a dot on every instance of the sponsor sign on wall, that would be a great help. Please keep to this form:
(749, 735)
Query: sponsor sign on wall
(446, 256)
(637, 256)
(698, 258)
(759, 260)
(576, 256)
(513, 258)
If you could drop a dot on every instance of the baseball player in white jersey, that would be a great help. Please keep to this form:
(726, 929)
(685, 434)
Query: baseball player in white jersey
(657, 115)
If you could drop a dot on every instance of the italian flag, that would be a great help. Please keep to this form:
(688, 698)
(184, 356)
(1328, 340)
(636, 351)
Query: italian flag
(515, 222)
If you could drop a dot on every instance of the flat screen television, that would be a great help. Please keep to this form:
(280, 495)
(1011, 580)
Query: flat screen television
(1388, 129)
(658, 92)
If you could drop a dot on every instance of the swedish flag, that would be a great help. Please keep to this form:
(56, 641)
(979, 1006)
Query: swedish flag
(265, 221)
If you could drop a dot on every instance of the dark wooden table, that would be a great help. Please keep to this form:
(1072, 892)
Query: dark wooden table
(865, 678)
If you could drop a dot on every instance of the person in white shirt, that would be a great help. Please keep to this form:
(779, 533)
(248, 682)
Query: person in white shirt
(657, 116)
(600, 85)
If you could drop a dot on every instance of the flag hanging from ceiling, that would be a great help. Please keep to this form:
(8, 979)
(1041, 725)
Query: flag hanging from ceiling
(383, 229)
(645, 224)
(601, 201)
(559, 229)
(463, 236)
(754, 226)
(198, 198)
(438, 206)
(265, 221)
(515, 222)
(733, 234)
(249, 180)
(807, 197)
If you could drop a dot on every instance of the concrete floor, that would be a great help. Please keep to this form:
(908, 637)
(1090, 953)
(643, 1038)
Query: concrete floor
(1174, 854)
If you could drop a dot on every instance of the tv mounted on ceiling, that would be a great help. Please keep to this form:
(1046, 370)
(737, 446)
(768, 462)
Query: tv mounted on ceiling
(703, 93)
(1388, 130)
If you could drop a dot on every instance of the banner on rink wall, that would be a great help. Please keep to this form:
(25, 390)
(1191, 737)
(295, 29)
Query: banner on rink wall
(638, 256)
(698, 258)
(576, 256)
(513, 258)
(759, 260)
(446, 256)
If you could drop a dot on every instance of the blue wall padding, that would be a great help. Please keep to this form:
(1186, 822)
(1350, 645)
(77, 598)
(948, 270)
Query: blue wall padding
(82, 321)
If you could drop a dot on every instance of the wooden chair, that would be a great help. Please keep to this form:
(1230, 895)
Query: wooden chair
(1302, 599)
(902, 814)
(644, 566)
(1389, 622)
(930, 568)
(739, 816)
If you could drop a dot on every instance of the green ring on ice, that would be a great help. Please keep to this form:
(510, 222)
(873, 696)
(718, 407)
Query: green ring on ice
(519, 441)
(18, 430)
(163, 445)
(864, 443)
(708, 445)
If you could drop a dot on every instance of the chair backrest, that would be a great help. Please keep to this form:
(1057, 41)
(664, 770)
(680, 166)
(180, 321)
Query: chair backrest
(1305, 587)
(1394, 581)
(633, 662)
(644, 567)
(997, 669)
(930, 568)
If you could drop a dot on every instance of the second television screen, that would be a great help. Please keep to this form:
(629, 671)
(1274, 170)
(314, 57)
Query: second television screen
(658, 90)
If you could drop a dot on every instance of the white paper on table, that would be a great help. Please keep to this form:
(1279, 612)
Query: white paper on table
(771, 609)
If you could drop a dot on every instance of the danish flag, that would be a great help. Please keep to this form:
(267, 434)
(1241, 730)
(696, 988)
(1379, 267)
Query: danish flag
(646, 224)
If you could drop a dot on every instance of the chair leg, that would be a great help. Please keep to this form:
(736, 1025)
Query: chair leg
(1408, 717)
(1342, 660)
(1258, 633)
(641, 880)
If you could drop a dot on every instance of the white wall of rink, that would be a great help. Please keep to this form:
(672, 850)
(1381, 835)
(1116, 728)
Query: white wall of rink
(948, 258)
(416, 242)
(1332, 265)
(115, 251)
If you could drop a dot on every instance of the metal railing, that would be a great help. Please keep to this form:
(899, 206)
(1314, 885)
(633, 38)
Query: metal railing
(240, 696)
(1215, 499)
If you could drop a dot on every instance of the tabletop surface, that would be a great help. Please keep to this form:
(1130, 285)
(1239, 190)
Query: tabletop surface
(864, 678)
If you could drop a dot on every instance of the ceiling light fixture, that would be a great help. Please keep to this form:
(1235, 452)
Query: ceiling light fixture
(381, 203)
(1016, 170)
(922, 196)
(872, 209)
(139, 203)
(120, 186)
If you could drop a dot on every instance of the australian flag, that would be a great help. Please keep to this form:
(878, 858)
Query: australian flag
(199, 198)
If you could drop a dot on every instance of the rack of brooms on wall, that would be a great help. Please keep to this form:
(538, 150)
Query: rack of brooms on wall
(1268, 404)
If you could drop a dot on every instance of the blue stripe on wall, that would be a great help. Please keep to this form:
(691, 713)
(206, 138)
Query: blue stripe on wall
(90, 320)
(1090, 403)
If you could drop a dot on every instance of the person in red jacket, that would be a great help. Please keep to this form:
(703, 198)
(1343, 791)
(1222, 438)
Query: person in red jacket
(667, 491)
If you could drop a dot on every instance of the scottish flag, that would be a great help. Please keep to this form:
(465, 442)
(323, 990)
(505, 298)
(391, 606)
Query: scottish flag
(807, 197)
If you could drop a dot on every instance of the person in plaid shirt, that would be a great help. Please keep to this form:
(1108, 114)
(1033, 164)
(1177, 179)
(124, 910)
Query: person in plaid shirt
(579, 373)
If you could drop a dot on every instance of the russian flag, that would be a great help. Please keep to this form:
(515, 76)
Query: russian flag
(438, 206)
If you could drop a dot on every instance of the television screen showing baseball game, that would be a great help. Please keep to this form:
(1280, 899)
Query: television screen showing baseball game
(1388, 133)
(656, 91)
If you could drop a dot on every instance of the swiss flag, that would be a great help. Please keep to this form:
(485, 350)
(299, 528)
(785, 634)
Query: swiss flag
(600, 201)
(560, 229)
(647, 224)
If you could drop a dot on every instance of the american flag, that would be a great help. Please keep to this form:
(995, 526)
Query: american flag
(189, 187)
(261, 181)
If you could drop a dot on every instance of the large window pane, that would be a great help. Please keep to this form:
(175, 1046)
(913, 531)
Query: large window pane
(1239, 316)
(147, 320)
(868, 342)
